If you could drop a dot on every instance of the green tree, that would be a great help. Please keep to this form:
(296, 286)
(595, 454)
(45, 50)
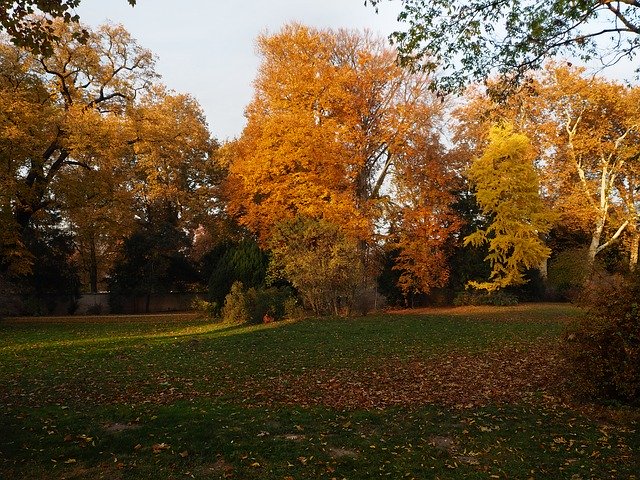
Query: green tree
(507, 189)
(468, 40)
(30, 23)
(153, 259)
(244, 262)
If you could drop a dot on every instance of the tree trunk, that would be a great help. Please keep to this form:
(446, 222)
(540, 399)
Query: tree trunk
(93, 265)
(544, 270)
(633, 254)
(595, 242)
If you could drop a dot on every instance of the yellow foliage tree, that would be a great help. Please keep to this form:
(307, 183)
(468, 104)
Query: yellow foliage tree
(89, 134)
(507, 190)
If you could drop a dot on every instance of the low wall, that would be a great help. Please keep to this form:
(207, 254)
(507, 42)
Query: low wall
(95, 304)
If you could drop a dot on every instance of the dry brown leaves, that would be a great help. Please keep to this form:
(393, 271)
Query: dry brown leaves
(460, 380)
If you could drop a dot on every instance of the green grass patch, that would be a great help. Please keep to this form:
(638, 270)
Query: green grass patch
(179, 397)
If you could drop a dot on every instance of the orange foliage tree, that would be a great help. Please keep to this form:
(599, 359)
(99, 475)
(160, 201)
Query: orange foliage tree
(591, 127)
(584, 131)
(336, 128)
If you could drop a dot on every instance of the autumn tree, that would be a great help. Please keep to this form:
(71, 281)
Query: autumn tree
(74, 99)
(584, 131)
(507, 190)
(319, 260)
(423, 198)
(100, 215)
(332, 120)
(471, 40)
(591, 133)
(90, 134)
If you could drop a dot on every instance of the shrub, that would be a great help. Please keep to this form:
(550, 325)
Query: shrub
(292, 309)
(205, 308)
(236, 309)
(255, 304)
(472, 297)
(568, 273)
(602, 352)
(244, 262)
(319, 260)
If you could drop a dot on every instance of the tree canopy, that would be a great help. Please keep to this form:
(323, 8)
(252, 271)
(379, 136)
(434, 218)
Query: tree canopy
(508, 190)
(338, 132)
(91, 141)
(31, 23)
(465, 41)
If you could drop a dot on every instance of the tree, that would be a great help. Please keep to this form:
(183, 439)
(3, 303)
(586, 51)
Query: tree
(172, 155)
(508, 190)
(99, 216)
(322, 263)
(470, 40)
(584, 131)
(425, 218)
(65, 112)
(243, 262)
(153, 259)
(332, 121)
(88, 134)
(591, 128)
(31, 23)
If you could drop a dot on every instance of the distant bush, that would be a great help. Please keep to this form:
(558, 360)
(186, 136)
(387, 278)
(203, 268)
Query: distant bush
(474, 297)
(205, 308)
(602, 352)
(255, 305)
(236, 309)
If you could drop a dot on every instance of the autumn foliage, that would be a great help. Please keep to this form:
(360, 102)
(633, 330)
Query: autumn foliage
(334, 130)
(350, 177)
(508, 191)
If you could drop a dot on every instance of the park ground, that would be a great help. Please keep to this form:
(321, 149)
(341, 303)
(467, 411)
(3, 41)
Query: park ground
(474, 392)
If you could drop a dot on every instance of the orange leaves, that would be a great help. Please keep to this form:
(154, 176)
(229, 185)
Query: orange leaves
(332, 130)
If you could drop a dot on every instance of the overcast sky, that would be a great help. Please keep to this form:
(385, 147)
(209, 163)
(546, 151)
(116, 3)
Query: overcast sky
(207, 47)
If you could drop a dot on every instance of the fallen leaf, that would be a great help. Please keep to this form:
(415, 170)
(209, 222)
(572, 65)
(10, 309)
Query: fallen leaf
(158, 447)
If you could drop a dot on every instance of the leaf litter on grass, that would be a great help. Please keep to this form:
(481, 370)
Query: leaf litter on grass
(502, 375)
(382, 407)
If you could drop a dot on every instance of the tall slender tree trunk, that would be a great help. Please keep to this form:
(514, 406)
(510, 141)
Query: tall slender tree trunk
(93, 264)
(633, 252)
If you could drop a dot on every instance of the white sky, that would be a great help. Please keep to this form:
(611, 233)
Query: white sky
(207, 47)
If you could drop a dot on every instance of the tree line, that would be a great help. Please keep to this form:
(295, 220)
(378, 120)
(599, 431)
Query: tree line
(352, 179)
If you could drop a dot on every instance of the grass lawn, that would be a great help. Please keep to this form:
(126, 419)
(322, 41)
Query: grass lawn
(455, 393)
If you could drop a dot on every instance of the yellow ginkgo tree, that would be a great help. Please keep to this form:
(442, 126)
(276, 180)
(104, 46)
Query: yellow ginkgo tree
(507, 190)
